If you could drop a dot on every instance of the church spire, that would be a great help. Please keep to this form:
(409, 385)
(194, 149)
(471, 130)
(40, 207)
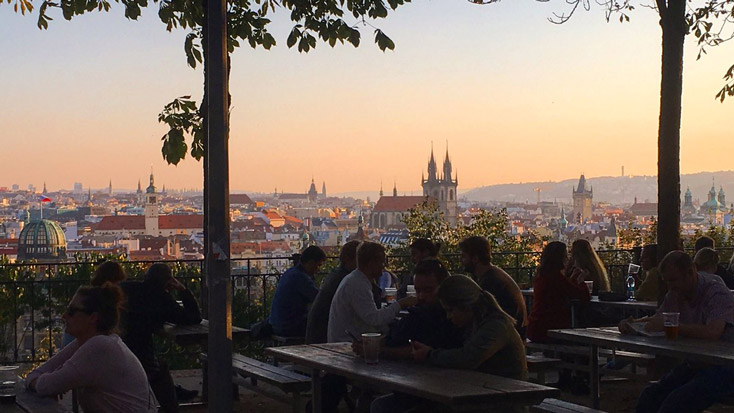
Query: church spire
(395, 189)
(381, 193)
(432, 169)
(447, 166)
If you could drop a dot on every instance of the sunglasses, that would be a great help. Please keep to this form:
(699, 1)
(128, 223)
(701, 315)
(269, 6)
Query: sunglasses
(70, 311)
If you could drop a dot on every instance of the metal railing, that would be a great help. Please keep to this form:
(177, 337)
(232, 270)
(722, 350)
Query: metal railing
(33, 296)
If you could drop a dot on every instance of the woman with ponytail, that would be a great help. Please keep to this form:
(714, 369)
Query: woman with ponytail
(493, 345)
(106, 374)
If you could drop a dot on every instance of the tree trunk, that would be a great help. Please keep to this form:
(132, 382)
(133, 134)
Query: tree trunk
(672, 21)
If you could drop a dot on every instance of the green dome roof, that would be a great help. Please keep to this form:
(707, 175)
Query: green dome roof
(42, 240)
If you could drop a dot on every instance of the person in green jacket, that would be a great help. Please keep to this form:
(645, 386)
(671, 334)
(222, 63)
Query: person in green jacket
(492, 344)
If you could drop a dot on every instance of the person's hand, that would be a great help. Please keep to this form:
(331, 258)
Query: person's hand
(408, 301)
(174, 284)
(420, 351)
(32, 384)
(578, 275)
(358, 348)
(625, 328)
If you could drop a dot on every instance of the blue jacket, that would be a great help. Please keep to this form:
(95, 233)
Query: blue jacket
(289, 311)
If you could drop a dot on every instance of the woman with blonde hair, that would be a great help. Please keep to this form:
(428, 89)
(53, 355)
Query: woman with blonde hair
(584, 257)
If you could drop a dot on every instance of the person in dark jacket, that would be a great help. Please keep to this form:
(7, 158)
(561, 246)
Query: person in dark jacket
(296, 290)
(318, 315)
(150, 304)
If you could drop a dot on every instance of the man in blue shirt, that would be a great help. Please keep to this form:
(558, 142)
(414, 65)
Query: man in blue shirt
(295, 291)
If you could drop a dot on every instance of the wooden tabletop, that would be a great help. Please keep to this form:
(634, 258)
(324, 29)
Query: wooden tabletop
(704, 351)
(198, 333)
(640, 305)
(27, 401)
(456, 388)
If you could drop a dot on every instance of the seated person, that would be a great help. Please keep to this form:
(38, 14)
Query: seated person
(318, 315)
(493, 345)
(150, 305)
(476, 257)
(296, 290)
(420, 249)
(706, 308)
(107, 375)
(353, 312)
(584, 257)
(721, 271)
(647, 289)
(426, 321)
(553, 292)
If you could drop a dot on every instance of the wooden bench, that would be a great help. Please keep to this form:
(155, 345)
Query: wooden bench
(635, 359)
(559, 406)
(289, 382)
(540, 364)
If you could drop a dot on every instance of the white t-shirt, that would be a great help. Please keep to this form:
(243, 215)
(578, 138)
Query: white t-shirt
(107, 375)
(353, 309)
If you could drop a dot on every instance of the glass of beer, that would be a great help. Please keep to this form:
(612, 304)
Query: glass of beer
(371, 346)
(670, 324)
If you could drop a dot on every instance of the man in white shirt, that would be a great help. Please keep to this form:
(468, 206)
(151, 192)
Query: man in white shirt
(353, 312)
(353, 309)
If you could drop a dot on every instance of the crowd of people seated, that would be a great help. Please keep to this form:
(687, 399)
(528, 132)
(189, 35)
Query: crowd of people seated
(478, 321)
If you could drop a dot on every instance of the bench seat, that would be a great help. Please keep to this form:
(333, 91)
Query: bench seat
(560, 406)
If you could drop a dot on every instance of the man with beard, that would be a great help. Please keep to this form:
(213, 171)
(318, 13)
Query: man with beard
(476, 257)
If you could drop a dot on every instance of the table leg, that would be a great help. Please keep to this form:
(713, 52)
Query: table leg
(316, 384)
(594, 375)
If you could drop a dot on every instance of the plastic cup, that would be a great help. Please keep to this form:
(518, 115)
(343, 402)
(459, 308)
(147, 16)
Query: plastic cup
(671, 325)
(8, 381)
(371, 346)
(411, 290)
(391, 294)
(590, 286)
(633, 269)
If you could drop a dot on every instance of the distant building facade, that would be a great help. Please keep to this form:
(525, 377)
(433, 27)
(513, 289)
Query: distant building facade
(442, 188)
(582, 202)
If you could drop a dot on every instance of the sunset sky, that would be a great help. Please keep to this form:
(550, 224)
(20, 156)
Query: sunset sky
(517, 98)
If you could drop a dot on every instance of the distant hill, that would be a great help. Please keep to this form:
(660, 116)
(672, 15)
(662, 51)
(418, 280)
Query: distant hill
(614, 189)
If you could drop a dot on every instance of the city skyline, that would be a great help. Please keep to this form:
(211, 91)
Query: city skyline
(517, 98)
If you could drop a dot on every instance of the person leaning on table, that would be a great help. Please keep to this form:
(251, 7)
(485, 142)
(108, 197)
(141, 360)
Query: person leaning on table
(492, 344)
(706, 308)
(107, 375)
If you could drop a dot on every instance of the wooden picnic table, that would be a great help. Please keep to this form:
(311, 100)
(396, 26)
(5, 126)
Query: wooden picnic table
(187, 335)
(708, 352)
(457, 389)
(634, 308)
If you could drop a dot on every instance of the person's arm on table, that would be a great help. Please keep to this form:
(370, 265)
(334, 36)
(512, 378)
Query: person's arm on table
(709, 331)
(482, 345)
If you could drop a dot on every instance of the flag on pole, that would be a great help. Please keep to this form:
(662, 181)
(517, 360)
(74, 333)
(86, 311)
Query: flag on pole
(44, 198)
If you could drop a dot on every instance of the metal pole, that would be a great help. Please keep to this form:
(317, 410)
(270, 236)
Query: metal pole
(217, 181)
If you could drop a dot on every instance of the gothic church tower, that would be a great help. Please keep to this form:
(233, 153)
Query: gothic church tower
(442, 187)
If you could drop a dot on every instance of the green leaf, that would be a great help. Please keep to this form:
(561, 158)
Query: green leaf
(383, 42)
(293, 37)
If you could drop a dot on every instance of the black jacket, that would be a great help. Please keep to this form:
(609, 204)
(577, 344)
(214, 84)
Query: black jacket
(146, 312)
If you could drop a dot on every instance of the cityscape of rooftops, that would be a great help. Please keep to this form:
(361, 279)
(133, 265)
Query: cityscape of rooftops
(554, 123)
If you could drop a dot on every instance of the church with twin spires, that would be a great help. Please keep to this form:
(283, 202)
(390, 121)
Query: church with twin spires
(440, 186)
